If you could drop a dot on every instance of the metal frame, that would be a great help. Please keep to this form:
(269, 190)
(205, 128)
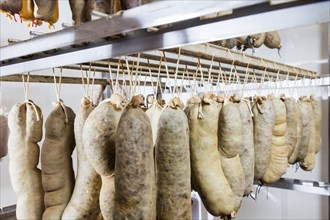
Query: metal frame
(141, 41)
(314, 187)
(158, 13)
(64, 80)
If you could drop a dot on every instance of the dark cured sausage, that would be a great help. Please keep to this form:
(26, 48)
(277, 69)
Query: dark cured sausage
(135, 188)
(173, 165)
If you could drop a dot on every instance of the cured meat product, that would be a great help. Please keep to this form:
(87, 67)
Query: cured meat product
(10, 6)
(81, 10)
(84, 202)
(317, 113)
(25, 124)
(4, 132)
(246, 153)
(173, 165)
(46, 10)
(99, 135)
(135, 180)
(27, 12)
(234, 173)
(263, 123)
(207, 178)
(103, 6)
(303, 133)
(308, 163)
(230, 130)
(278, 161)
(229, 144)
(273, 40)
(292, 124)
(56, 162)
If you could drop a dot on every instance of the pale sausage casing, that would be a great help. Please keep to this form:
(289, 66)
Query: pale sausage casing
(292, 124)
(234, 173)
(278, 161)
(207, 176)
(25, 124)
(99, 135)
(56, 162)
(4, 133)
(230, 130)
(246, 154)
(84, 202)
(273, 40)
(229, 144)
(308, 163)
(263, 123)
(303, 134)
(317, 113)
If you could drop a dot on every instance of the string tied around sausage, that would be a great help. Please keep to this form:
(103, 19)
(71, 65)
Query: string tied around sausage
(88, 92)
(58, 92)
(248, 104)
(26, 91)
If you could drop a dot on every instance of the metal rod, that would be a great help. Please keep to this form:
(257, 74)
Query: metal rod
(65, 80)
(191, 66)
(145, 72)
(224, 55)
(314, 187)
(66, 25)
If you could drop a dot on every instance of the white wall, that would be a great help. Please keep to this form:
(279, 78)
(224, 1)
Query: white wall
(301, 46)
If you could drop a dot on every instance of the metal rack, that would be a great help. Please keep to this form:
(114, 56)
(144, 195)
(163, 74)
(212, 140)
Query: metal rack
(314, 187)
(89, 44)
(192, 60)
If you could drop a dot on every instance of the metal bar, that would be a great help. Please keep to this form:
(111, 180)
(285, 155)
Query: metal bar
(319, 188)
(278, 88)
(98, 65)
(328, 130)
(197, 34)
(158, 13)
(227, 56)
(194, 64)
(252, 76)
(8, 213)
(64, 80)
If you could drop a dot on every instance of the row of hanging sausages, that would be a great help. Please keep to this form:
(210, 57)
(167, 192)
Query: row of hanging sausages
(137, 164)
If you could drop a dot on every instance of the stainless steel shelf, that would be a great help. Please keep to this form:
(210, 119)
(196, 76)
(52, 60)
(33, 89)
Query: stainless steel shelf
(307, 186)
(159, 13)
(188, 31)
(8, 213)
(314, 187)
